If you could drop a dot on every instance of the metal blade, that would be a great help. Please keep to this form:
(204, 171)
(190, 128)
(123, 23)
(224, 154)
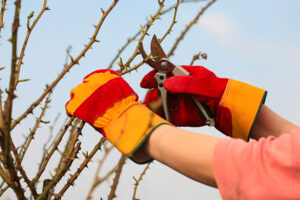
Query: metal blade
(156, 50)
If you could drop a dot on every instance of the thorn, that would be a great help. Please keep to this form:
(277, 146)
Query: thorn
(24, 80)
(95, 26)
(142, 29)
(102, 11)
(47, 8)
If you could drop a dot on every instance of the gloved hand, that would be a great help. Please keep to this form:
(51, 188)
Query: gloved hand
(109, 104)
(234, 104)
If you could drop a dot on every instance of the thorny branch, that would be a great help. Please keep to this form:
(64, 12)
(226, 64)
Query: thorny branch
(3, 190)
(33, 131)
(6, 140)
(97, 180)
(144, 33)
(73, 137)
(2, 14)
(121, 163)
(137, 181)
(29, 30)
(194, 21)
(5, 176)
(54, 147)
(130, 39)
(135, 67)
(10, 168)
(172, 23)
(69, 66)
(83, 165)
(60, 173)
(22, 171)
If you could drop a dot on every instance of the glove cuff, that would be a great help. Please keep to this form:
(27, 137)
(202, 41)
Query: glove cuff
(244, 102)
(130, 130)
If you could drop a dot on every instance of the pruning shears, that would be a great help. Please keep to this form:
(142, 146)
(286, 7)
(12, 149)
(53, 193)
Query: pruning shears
(165, 69)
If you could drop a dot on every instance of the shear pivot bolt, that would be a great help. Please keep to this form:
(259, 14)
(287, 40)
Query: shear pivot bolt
(164, 64)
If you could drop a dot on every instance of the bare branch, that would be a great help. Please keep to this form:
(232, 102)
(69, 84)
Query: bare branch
(73, 177)
(144, 33)
(29, 30)
(2, 14)
(33, 131)
(73, 137)
(5, 176)
(121, 163)
(172, 23)
(6, 141)
(3, 190)
(54, 147)
(97, 180)
(22, 171)
(137, 181)
(68, 67)
(188, 27)
(60, 173)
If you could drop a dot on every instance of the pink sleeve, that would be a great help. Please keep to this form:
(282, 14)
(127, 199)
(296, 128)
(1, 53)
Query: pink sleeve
(264, 169)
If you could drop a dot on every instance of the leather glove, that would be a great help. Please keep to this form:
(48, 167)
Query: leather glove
(235, 105)
(109, 104)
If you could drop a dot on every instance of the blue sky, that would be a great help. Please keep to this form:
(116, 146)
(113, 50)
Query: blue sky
(252, 41)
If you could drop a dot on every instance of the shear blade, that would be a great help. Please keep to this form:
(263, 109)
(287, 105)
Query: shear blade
(156, 50)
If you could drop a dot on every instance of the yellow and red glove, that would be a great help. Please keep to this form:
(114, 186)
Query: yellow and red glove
(109, 104)
(234, 104)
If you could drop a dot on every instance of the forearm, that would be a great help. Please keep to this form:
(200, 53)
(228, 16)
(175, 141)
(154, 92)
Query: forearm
(268, 123)
(186, 152)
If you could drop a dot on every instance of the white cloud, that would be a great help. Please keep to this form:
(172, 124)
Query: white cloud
(227, 33)
(221, 26)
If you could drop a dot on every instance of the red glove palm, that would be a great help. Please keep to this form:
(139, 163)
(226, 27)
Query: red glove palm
(233, 104)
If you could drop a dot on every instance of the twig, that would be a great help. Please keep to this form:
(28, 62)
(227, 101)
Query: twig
(36, 126)
(172, 23)
(195, 57)
(121, 163)
(2, 14)
(5, 176)
(137, 181)
(144, 33)
(3, 190)
(135, 67)
(194, 21)
(22, 171)
(1, 113)
(29, 30)
(73, 177)
(97, 181)
(51, 128)
(129, 40)
(71, 140)
(9, 165)
(68, 67)
(60, 173)
(49, 155)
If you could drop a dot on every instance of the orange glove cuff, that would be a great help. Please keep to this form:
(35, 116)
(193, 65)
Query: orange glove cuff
(244, 102)
(130, 130)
